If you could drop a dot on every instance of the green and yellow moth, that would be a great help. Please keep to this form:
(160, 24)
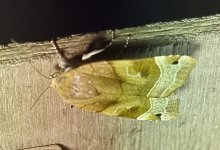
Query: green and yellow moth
(142, 89)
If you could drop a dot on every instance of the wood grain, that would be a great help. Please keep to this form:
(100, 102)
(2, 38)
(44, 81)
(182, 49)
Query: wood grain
(51, 121)
(45, 147)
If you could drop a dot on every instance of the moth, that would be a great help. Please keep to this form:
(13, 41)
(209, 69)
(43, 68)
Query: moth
(141, 89)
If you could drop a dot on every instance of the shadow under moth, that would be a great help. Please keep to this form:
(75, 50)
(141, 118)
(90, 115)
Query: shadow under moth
(142, 89)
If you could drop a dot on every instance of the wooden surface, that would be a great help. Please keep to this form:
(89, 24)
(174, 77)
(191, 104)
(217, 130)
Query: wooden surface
(43, 147)
(51, 121)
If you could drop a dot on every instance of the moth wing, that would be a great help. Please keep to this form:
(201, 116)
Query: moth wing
(128, 106)
(161, 109)
(174, 71)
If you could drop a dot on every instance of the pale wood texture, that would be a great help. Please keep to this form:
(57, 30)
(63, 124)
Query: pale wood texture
(51, 121)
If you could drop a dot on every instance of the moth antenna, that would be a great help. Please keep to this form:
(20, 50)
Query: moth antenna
(39, 97)
(50, 77)
(41, 73)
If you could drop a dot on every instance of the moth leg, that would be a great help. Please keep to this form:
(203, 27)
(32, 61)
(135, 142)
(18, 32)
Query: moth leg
(112, 40)
(161, 109)
(60, 51)
(120, 52)
(63, 62)
(127, 41)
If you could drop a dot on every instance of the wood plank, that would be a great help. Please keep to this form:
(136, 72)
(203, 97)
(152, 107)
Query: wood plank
(45, 147)
(53, 121)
